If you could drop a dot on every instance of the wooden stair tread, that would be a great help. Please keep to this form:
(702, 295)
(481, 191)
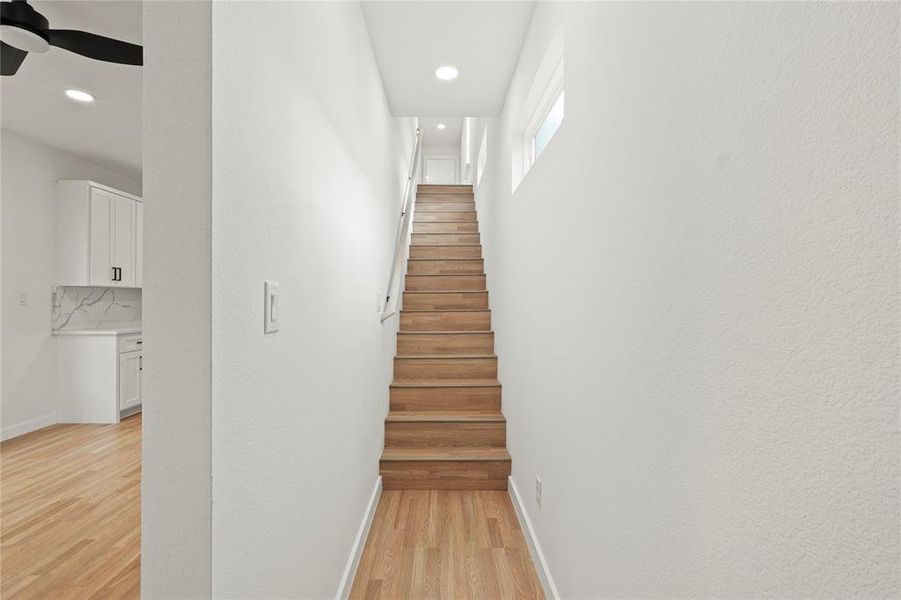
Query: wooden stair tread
(442, 259)
(446, 291)
(448, 244)
(419, 310)
(444, 383)
(435, 416)
(444, 332)
(461, 453)
(442, 356)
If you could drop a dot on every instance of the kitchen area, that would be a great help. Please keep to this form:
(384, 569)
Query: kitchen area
(96, 306)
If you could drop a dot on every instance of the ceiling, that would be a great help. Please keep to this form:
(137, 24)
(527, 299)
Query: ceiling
(107, 132)
(449, 136)
(412, 39)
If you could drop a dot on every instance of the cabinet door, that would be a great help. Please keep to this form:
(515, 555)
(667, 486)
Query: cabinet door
(130, 366)
(124, 241)
(139, 244)
(101, 235)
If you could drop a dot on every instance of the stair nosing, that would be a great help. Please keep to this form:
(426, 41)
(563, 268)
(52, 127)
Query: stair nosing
(425, 383)
(446, 309)
(447, 275)
(447, 455)
(437, 416)
(433, 356)
(441, 259)
(445, 332)
(446, 292)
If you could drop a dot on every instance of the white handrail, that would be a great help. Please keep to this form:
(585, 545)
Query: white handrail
(401, 244)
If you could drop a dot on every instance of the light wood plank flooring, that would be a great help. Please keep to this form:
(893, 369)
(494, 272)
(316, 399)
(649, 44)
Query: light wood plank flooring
(445, 544)
(70, 512)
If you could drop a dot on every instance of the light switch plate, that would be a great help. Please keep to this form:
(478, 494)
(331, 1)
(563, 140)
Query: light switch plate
(271, 308)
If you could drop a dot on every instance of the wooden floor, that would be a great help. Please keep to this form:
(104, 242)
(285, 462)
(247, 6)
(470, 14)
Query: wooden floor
(70, 512)
(445, 544)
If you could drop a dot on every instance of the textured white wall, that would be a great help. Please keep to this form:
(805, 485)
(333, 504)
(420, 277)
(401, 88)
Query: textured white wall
(695, 292)
(176, 511)
(29, 174)
(308, 167)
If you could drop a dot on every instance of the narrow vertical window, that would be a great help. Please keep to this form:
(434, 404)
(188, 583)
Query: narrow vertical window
(483, 156)
(549, 126)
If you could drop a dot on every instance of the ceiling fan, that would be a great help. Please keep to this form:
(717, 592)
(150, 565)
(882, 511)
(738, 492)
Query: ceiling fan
(24, 30)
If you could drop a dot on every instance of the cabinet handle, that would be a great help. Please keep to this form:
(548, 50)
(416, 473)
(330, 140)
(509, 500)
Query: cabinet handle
(140, 363)
(139, 342)
(113, 277)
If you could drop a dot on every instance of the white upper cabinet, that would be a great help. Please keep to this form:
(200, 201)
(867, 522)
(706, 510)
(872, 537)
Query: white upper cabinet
(99, 236)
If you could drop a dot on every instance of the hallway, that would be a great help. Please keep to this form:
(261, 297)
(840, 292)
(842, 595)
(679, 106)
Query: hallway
(445, 544)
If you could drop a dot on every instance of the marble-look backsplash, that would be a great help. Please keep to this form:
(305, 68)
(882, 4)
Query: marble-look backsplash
(94, 307)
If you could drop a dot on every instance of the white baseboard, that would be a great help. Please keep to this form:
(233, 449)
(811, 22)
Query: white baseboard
(544, 573)
(347, 580)
(7, 433)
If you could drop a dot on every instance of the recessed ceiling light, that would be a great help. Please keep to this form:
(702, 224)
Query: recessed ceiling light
(79, 96)
(441, 126)
(446, 73)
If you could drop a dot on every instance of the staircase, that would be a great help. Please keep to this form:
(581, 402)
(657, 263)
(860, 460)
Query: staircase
(445, 429)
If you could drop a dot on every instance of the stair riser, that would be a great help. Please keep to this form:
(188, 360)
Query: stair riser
(424, 369)
(485, 399)
(422, 200)
(436, 216)
(446, 251)
(445, 227)
(438, 239)
(430, 283)
(426, 207)
(447, 435)
(444, 343)
(444, 475)
(445, 321)
(444, 188)
(445, 300)
(446, 267)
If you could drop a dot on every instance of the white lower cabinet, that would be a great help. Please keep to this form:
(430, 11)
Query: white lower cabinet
(99, 375)
(130, 379)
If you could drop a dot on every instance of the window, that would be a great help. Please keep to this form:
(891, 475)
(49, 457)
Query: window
(483, 156)
(545, 120)
(549, 127)
(541, 114)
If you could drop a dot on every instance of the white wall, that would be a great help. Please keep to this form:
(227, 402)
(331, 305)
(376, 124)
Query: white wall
(176, 462)
(308, 167)
(29, 174)
(695, 293)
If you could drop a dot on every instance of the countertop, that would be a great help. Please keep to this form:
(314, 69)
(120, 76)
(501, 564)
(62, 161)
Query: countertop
(104, 331)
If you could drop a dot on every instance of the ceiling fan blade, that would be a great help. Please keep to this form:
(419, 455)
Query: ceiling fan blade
(10, 59)
(96, 46)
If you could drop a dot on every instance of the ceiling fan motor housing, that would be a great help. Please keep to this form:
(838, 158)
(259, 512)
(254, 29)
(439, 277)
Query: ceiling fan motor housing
(20, 14)
(24, 27)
